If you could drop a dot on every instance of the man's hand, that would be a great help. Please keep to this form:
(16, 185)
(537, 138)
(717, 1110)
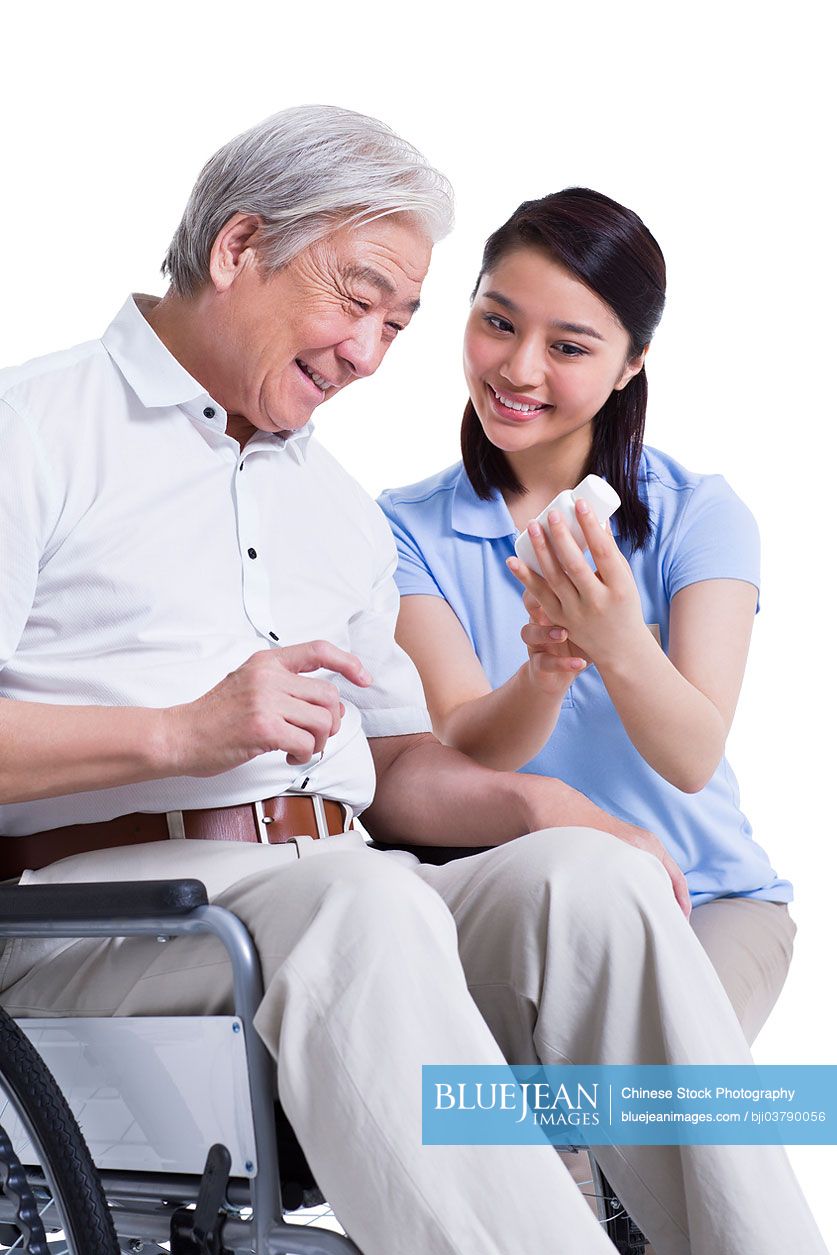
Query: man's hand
(643, 840)
(264, 705)
(472, 805)
(544, 809)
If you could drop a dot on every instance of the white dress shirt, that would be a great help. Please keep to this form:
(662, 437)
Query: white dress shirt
(144, 556)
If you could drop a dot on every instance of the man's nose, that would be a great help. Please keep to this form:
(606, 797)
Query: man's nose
(364, 349)
(525, 366)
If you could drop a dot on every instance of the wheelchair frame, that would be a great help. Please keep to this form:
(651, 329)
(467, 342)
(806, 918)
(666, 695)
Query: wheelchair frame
(172, 908)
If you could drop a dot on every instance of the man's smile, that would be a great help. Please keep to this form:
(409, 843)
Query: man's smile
(319, 381)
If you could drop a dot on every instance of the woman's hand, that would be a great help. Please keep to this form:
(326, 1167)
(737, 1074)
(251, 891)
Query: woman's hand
(554, 660)
(600, 609)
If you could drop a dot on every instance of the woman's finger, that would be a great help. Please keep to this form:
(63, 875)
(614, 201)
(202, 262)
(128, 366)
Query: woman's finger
(548, 559)
(569, 556)
(544, 636)
(538, 588)
(553, 663)
(543, 620)
(536, 611)
(600, 541)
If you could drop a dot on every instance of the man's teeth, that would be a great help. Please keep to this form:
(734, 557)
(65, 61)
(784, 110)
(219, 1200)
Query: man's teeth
(322, 384)
(515, 405)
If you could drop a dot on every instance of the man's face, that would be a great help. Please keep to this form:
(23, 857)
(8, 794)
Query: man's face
(290, 340)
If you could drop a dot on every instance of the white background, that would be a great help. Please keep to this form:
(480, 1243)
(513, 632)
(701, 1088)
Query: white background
(711, 123)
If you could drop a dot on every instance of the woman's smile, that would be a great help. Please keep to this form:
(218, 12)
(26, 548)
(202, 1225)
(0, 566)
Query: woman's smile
(514, 408)
(542, 355)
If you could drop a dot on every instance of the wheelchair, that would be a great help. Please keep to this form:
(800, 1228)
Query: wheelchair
(201, 1170)
(214, 1166)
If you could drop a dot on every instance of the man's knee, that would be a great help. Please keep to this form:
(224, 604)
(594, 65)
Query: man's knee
(362, 897)
(585, 865)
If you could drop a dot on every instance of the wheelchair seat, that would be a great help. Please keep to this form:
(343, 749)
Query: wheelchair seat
(177, 1110)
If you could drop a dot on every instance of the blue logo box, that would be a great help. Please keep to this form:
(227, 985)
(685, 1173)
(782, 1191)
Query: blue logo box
(630, 1105)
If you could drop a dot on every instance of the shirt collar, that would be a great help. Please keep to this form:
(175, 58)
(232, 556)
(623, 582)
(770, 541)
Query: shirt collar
(471, 516)
(296, 443)
(159, 380)
(154, 374)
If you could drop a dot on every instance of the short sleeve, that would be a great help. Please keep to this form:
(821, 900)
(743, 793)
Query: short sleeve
(394, 704)
(24, 528)
(412, 574)
(717, 538)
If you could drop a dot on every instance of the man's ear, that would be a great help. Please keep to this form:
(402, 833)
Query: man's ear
(632, 367)
(232, 249)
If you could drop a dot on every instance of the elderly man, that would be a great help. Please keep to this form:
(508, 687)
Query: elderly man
(179, 557)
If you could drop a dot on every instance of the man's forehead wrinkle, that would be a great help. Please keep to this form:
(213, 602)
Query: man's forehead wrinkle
(370, 274)
(400, 257)
(316, 263)
(397, 259)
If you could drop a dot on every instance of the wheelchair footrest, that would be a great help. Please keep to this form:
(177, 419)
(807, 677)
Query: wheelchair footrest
(200, 1232)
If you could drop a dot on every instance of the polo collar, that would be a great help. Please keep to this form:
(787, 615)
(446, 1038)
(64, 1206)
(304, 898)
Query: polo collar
(159, 380)
(471, 516)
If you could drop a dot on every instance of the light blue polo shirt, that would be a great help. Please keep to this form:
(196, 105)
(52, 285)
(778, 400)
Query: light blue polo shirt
(453, 545)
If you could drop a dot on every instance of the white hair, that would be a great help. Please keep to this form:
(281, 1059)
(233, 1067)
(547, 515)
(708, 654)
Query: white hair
(305, 172)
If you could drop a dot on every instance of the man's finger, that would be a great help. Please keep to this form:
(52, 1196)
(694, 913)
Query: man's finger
(311, 655)
(678, 880)
(314, 720)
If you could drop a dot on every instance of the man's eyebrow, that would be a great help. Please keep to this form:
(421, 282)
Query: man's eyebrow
(575, 328)
(368, 274)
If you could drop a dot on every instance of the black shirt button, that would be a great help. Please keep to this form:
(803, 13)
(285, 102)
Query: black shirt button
(251, 553)
(273, 636)
(209, 412)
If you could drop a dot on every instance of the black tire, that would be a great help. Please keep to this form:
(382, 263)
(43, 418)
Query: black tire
(29, 1092)
(622, 1230)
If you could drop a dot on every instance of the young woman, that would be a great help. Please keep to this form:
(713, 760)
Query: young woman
(621, 680)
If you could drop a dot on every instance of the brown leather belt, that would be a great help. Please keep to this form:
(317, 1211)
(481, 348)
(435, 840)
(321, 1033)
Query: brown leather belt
(272, 821)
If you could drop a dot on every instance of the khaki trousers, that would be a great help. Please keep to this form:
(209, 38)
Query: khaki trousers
(562, 946)
(750, 946)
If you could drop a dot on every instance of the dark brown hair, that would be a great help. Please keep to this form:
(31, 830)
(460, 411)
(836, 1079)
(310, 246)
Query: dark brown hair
(609, 249)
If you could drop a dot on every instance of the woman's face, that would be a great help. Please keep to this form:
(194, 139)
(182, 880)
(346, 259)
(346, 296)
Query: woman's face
(542, 353)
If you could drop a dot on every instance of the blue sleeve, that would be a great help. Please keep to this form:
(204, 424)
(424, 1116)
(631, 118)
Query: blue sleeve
(413, 573)
(716, 538)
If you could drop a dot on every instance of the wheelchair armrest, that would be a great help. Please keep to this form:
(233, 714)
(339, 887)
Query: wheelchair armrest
(116, 900)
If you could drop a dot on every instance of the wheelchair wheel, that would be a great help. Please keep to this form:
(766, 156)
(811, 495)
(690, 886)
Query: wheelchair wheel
(51, 1198)
(622, 1230)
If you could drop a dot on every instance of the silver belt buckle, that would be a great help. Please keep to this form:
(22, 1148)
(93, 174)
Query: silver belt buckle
(262, 823)
(320, 816)
(175, 825)
(320, 821)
